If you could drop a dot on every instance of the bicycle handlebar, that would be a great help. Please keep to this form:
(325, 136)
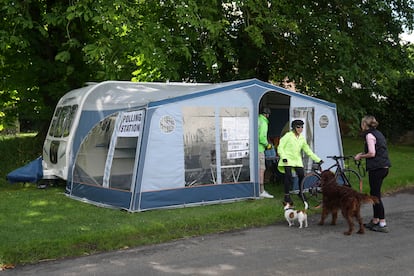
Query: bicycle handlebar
(317, 166)
(335, 157)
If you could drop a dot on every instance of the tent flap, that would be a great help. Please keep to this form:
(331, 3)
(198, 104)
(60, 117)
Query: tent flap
(197, 195)
(99, 195)
(31, 172)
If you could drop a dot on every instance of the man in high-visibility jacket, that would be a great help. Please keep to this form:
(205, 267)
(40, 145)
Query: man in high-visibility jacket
(263, 122)
(290, 150)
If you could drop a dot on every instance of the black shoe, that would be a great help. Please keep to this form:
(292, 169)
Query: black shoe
(370, 225)
(378, 228)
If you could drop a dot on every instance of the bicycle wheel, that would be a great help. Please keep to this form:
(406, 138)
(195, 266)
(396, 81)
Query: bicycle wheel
(311, 183)
(350, 178)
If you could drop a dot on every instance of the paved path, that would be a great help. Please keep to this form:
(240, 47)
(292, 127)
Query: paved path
(272, 250)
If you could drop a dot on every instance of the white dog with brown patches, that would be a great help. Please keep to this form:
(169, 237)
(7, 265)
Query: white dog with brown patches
(300, 215)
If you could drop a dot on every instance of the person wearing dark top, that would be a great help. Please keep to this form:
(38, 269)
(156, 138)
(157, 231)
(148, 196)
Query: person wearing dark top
(377, 165)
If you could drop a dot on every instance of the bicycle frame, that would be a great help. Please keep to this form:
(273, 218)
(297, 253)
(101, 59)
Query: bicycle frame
(311, 181)
(341, 174)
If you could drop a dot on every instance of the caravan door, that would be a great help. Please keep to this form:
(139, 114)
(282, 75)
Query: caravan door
(56, 145)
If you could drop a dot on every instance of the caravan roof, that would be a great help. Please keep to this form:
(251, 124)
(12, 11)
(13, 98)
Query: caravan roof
(109, 95)
(124, 94)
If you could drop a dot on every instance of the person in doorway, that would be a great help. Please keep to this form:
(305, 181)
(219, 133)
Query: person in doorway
(290, 150)
(263, 122)
(377, 165)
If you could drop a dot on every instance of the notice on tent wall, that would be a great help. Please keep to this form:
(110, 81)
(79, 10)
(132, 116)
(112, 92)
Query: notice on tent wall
(238, 145)
(237, 149)
(235, 130)
(130, 125)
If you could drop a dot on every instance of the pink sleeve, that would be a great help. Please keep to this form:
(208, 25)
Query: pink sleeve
(371, 141)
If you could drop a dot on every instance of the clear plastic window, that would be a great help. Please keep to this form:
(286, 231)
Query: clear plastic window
(123, 163)
(199, 144)
(202, 139)
(91, 158)
(102, 151)
(234, 144)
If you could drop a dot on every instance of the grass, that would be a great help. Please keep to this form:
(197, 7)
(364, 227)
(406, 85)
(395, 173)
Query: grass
(402, 158)
(40, 224)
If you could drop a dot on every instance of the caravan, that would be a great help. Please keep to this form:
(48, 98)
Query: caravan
(141, 146)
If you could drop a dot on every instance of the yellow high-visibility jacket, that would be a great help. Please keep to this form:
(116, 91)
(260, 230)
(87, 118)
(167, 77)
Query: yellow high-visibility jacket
(291, 147)
(263, 128)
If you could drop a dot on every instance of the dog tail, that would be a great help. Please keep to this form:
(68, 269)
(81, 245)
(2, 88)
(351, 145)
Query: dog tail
(306, 205)
(370, 199)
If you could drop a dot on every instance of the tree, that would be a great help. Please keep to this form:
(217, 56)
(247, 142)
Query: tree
(48, 48)
(342, 51)
(348, 51)
(390, 116)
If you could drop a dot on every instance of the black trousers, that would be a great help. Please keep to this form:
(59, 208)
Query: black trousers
(288, 180)
(375, 178)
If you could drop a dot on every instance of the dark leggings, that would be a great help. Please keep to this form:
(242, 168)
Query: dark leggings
(288, 181)
(376, 178)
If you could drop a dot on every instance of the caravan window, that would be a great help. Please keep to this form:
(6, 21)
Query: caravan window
(62, 121)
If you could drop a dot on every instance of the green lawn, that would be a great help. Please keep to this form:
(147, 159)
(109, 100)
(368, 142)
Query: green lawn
(38, 224)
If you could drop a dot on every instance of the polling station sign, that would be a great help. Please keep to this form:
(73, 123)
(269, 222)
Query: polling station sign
(130, 125)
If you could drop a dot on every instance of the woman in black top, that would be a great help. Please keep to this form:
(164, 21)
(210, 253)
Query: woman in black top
(377, 165)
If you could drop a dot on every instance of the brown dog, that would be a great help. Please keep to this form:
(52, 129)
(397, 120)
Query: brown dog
(335, 197)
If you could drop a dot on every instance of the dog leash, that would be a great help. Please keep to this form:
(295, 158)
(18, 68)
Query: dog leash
(361, 172)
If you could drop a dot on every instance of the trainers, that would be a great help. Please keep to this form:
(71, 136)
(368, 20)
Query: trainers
(266, 195)
(370, 225)
(377, 228)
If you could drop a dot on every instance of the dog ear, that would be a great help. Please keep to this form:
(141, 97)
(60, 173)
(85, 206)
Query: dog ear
(327, 175)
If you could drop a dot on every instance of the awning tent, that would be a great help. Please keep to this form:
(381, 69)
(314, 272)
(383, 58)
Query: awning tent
(142, 146)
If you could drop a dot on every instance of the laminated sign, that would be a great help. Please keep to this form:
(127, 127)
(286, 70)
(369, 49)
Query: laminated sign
(235, 130)
(130, 125)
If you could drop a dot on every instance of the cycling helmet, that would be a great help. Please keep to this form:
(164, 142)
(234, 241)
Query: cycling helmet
(296, 123)
(266, 110)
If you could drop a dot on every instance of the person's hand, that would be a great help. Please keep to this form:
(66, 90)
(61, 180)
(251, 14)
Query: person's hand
(358, 156)
(284, 160)
(269, 146)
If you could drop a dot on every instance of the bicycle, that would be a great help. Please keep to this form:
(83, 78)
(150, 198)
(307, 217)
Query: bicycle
(343, 175)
